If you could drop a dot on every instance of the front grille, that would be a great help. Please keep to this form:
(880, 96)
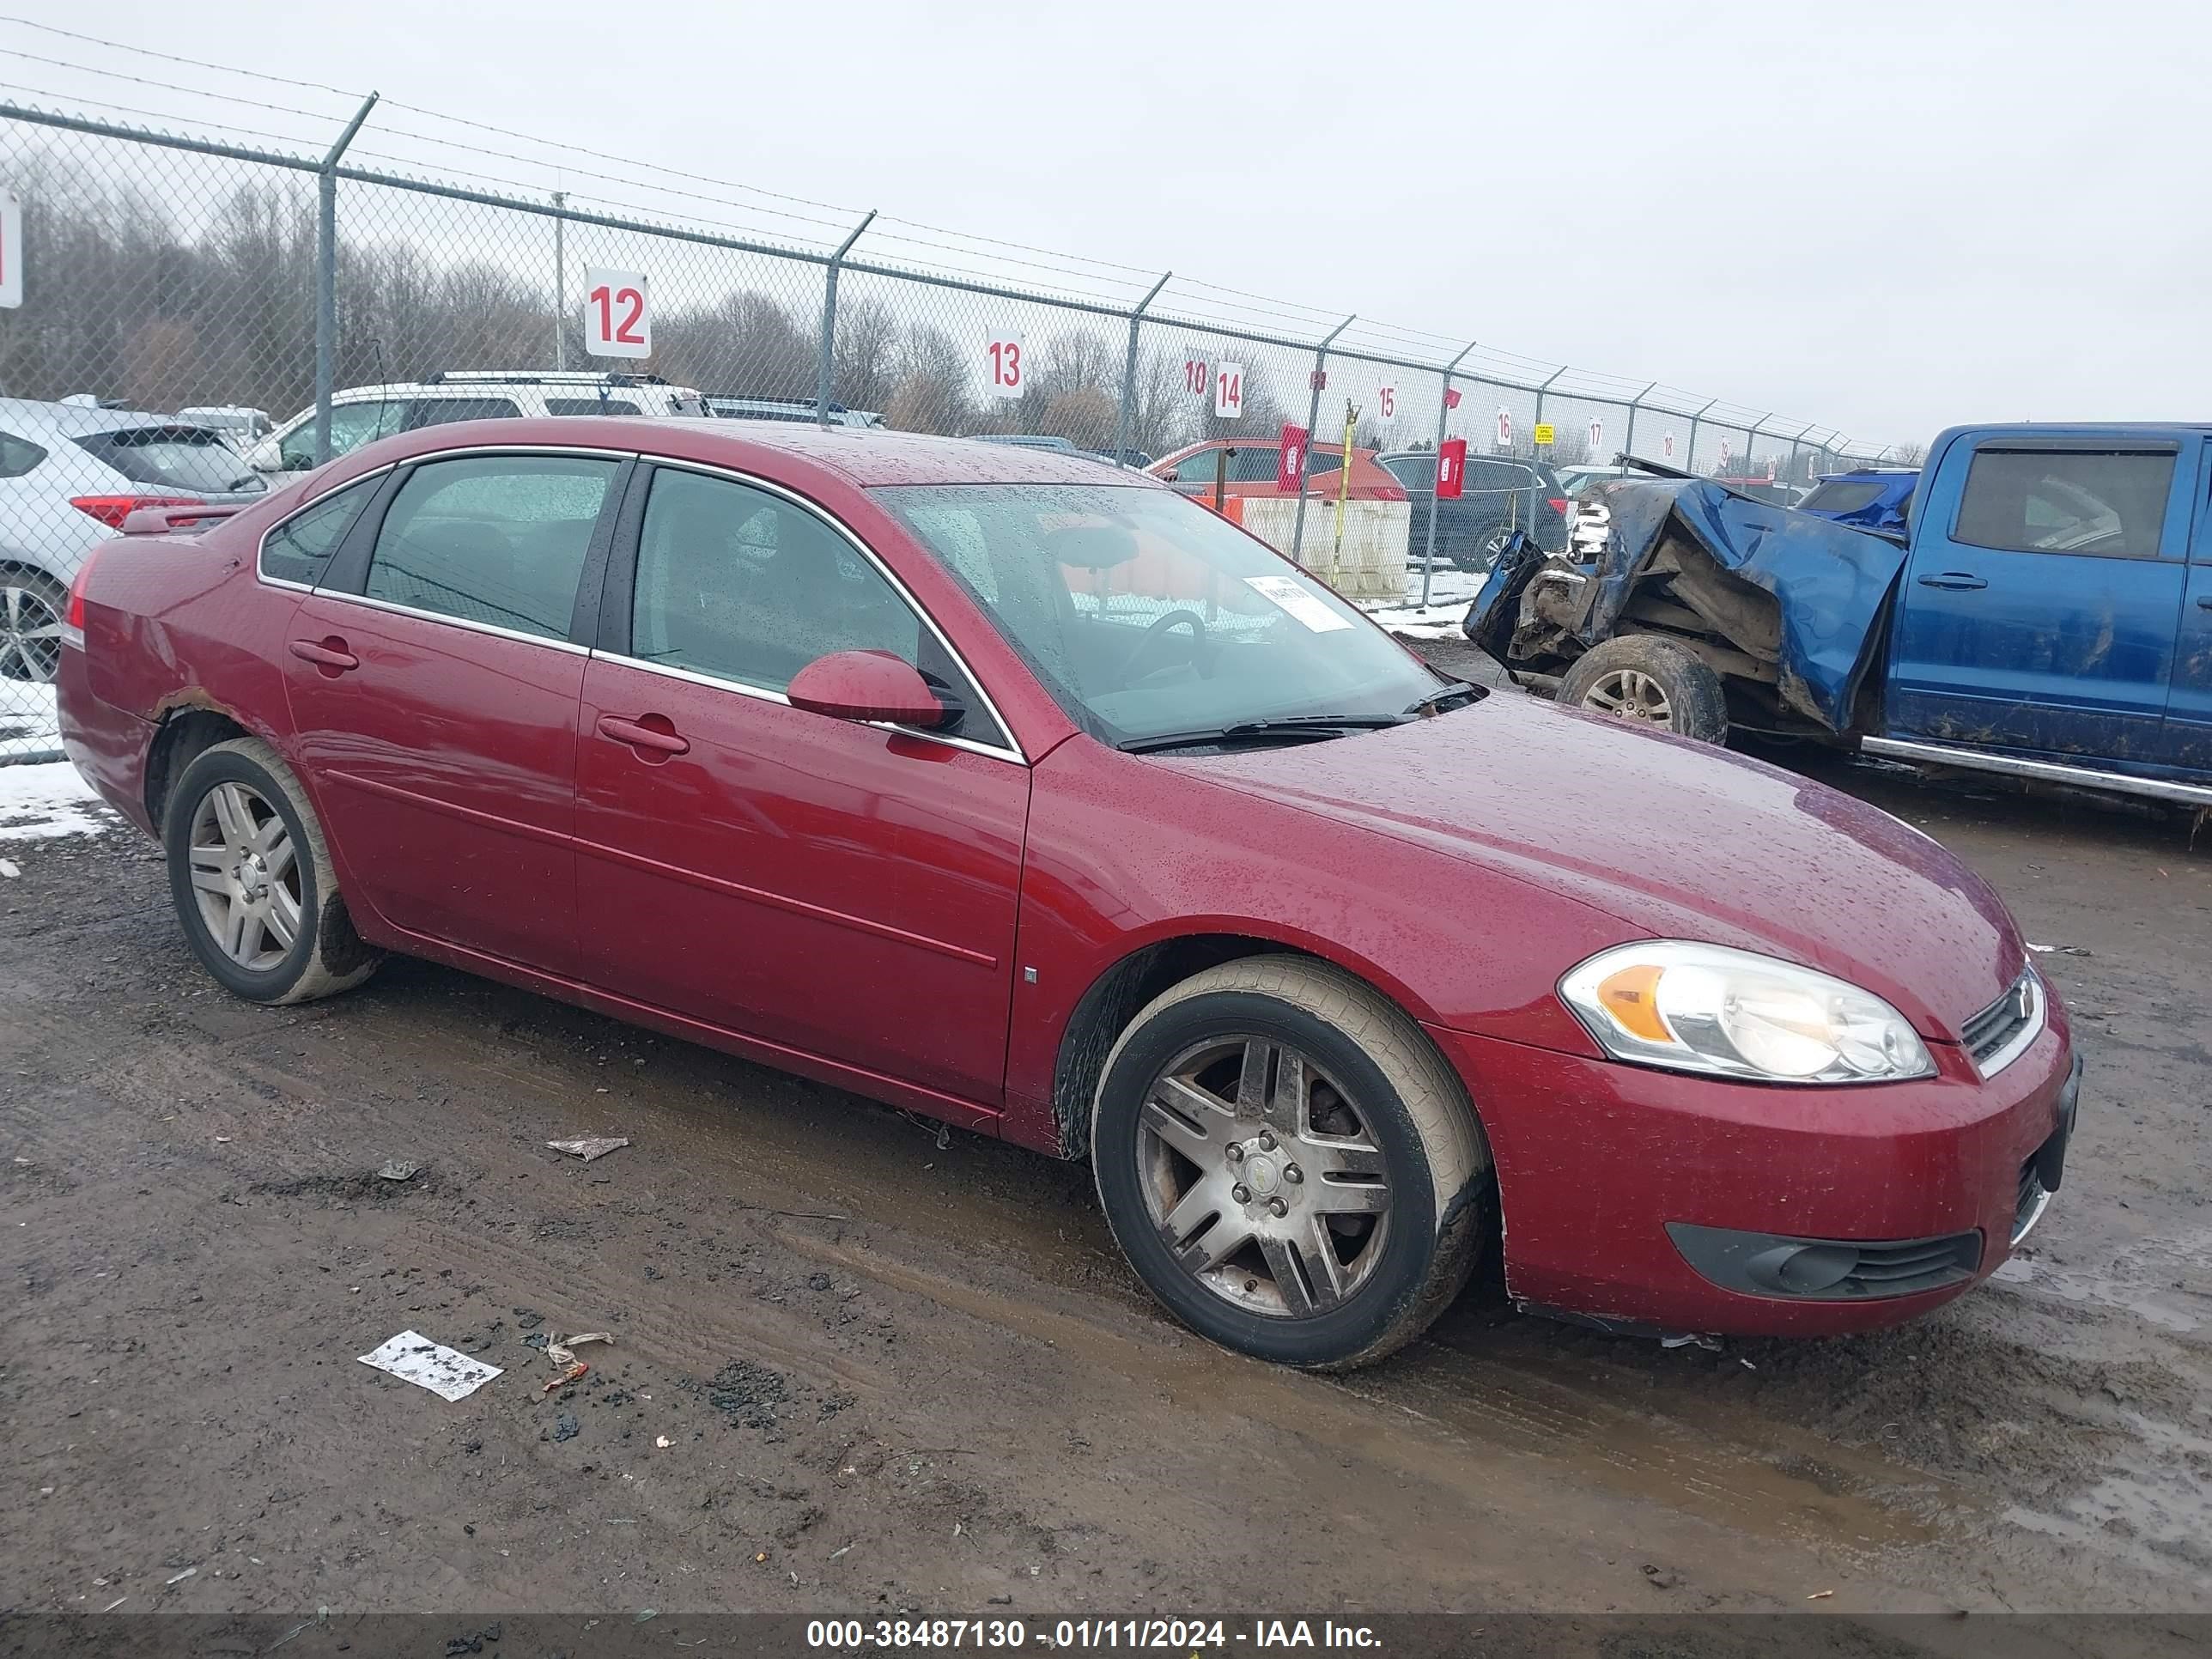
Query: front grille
(2001, 1032)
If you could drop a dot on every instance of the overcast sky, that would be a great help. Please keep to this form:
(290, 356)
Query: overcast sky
(1884, 217)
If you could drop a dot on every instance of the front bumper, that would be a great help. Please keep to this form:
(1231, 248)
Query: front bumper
(1928, 1183)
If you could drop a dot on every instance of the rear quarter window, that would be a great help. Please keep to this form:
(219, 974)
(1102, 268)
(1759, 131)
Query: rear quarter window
(190, 457)
(300, 549)
(589, 406)
(18, 455)
(1842, 497)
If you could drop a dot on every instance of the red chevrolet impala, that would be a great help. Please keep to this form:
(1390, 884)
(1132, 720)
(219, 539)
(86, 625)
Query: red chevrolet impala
(1024, 793)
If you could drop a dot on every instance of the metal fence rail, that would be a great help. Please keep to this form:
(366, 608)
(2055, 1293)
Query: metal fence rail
(167, 271)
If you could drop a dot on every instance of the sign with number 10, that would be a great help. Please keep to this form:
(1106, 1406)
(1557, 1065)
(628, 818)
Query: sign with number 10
(1003, 366)
(617, 318)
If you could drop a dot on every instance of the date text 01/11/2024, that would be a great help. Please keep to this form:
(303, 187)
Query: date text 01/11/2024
(1187, 1635)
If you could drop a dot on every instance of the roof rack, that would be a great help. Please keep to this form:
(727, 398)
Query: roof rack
(539, 377)
(778, 402)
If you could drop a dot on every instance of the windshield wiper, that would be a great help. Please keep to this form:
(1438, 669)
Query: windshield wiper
(1442, 700)
(1296, 728)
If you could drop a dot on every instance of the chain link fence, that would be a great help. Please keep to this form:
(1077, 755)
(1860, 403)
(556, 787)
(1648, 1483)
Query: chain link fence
(200, 316)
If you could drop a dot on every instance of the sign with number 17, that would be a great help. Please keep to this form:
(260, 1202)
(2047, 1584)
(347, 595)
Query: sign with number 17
(618, 320)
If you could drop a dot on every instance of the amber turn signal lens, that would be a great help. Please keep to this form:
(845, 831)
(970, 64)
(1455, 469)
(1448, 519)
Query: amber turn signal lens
(1632, 997)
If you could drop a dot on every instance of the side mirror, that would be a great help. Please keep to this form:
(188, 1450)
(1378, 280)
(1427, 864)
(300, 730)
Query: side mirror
(267, 456)
(1168, 477)
(865, 685)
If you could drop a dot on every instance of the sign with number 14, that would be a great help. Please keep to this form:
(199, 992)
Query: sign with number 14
(1229, 391)
(617, 319)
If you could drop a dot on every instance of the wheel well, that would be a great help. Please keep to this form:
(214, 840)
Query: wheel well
(183, 737)
(1113, 1001)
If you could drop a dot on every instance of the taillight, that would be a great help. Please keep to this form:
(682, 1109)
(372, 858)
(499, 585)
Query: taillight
(113, 510)
(1559, 505)
(73, 621)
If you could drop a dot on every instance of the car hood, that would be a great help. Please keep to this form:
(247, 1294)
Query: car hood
(1674, 839)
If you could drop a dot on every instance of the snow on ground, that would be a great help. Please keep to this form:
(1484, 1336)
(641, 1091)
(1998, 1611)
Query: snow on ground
(27, 721)
(1449, 593)
(39, 802)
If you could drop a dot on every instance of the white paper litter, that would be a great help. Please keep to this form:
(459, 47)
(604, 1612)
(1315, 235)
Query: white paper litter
(591, 1146)
(447, 1372)
(1302, 605)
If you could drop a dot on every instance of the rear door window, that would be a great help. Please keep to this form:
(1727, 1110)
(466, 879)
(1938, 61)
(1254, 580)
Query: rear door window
(299, 549)
(2110, 504)
(1413, 471)
(495, 539)
(193, 457)
(1842, 496)
(589, 406)
(352, 425)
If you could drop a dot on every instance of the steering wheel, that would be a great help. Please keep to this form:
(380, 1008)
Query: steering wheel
(1149, 641)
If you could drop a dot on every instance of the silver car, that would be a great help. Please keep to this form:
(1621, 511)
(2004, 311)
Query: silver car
(69, 475)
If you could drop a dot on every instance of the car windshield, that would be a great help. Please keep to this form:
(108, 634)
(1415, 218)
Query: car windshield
(1148, 616)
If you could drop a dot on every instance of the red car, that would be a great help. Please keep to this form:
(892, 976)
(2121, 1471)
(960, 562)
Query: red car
(983, 783)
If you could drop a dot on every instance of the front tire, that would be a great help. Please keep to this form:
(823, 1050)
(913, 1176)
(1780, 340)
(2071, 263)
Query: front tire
(1651, 681)
(1288, 1164)
(251, 876)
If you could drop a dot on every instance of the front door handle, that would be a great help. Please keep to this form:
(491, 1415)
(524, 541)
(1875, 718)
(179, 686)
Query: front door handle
(2204, 601)
(330, 653)
(638, 735)
(1957, 581)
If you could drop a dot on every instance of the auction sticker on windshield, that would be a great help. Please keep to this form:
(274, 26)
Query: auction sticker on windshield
(1304, 606)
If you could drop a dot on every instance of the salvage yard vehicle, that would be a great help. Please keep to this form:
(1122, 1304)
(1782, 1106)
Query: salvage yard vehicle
(362, 414)
(69, 473)
(1498, 495)
(2048, 615)
(1033, 797)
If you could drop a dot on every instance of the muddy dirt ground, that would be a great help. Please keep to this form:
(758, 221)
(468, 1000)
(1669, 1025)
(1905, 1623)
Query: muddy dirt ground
(860, 1364)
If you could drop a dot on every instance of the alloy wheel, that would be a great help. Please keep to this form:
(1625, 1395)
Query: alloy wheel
(1263, 1177)
(1632, 694)
(245, 876)
(30, 632)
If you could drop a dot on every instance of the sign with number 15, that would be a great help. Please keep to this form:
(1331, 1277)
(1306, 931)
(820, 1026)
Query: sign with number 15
(617, 319)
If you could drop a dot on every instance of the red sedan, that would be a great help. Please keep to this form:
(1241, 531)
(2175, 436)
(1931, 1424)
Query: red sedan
(1040, 799)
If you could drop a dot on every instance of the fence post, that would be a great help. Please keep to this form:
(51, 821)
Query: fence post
(827, 350)
(1436, 474)
(1635, 405)
(326, 278)
(1750, 434)
(1690, 460)
(1313, 417)
(1541, 391)
(1793, 443)
(1129, 374)
(560, 279)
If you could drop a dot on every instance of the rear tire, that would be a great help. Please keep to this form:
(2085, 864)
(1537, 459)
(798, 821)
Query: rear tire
(1650, 681)
(251, 876)
(1289, 1163)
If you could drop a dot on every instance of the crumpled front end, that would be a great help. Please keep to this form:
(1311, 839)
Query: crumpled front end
(1771, 597)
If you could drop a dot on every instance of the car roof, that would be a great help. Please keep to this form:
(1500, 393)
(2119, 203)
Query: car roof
(72, 420)
(866, 458)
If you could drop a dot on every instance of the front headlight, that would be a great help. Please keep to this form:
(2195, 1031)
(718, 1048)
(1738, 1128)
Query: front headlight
(1705, 1008)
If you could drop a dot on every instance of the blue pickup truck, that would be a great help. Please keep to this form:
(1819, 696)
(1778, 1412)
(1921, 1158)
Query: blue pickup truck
(2048, 613)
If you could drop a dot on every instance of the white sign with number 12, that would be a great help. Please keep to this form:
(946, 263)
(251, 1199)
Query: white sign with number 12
(618, 317)
(1229, 391)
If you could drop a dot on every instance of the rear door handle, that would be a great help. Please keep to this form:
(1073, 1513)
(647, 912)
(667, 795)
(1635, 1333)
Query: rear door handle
(2204, 601)
(1958, 581)
(329, 652)
(639, 735)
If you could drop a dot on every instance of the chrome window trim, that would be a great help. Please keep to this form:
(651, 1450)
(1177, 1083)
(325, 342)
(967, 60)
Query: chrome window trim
(762, 694)
(2038, 1016)
(467, 623)
(1012, 749)
(261, 547)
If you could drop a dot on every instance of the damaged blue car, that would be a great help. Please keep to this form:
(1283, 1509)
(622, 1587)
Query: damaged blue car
(2047, 613)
